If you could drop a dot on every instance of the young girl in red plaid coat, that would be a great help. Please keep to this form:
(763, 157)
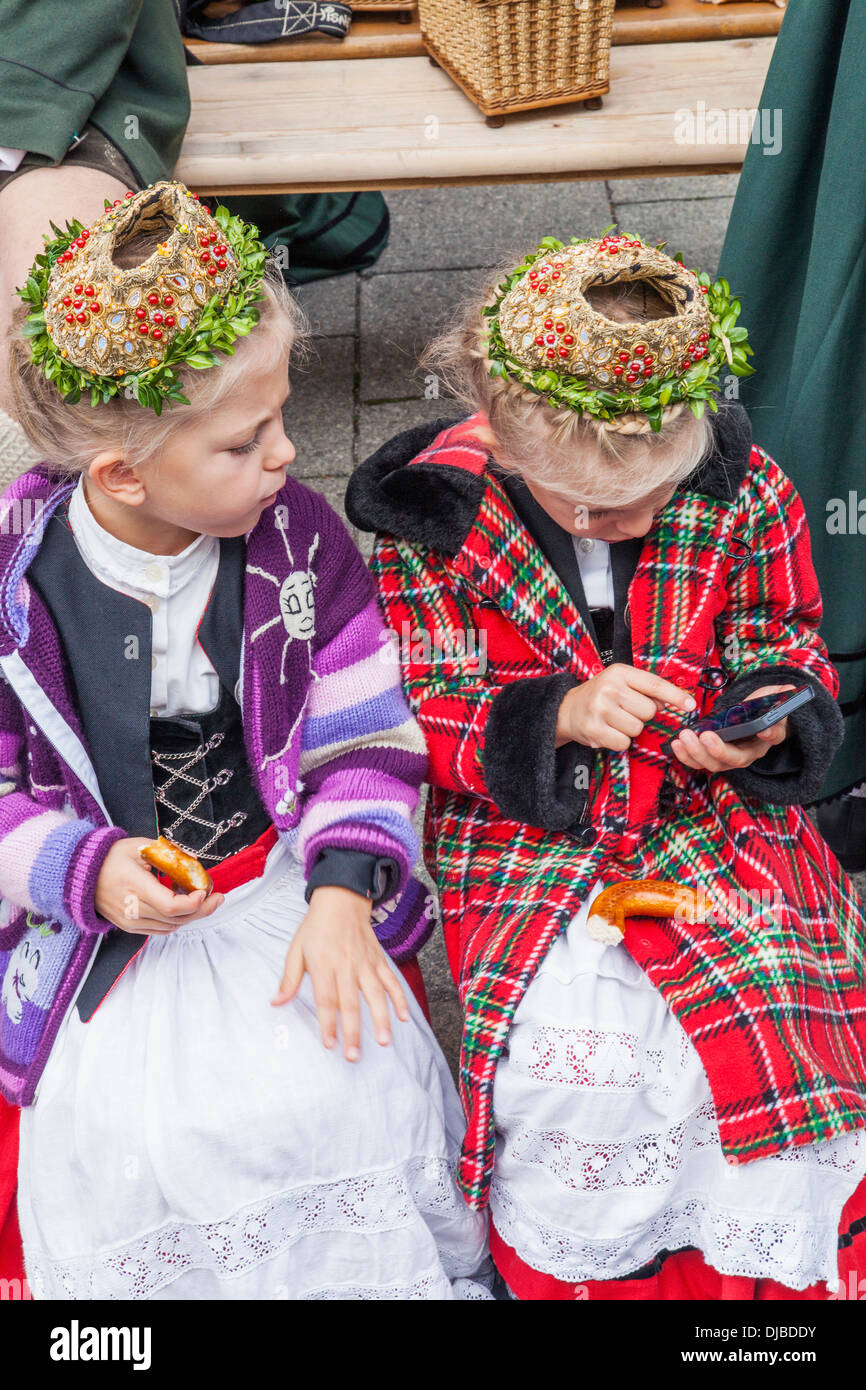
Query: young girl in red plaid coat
(579, 570)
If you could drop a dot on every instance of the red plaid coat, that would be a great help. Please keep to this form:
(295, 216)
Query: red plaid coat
(775, 1005)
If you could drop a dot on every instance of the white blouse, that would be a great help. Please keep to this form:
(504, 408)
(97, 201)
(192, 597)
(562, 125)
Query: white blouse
(175, 588)
(593, 558)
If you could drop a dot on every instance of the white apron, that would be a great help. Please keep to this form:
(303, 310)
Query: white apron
(192, 1141)
(607, 1146)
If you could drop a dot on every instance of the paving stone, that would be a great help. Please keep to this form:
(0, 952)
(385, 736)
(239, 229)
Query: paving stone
(399, 316)
(483, 225)
(319, 414)
(379, 422)
(698, 186)
(697, 227)
(329, 304)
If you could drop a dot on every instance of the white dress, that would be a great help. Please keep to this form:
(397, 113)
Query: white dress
(193, 1141)
(607, 1146)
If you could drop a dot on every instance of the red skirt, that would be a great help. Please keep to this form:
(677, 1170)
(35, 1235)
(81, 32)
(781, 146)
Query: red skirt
(11, 1258)
(685, 1274)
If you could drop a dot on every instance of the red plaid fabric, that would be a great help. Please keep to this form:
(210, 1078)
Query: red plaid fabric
(775, 1005)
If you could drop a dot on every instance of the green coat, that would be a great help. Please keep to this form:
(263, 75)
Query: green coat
(795, 254)
(117, 63)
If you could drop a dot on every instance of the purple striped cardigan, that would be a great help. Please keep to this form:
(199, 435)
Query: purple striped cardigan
(337, 757)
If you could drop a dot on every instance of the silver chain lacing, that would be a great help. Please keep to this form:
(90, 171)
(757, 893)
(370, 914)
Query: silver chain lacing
(179, 766)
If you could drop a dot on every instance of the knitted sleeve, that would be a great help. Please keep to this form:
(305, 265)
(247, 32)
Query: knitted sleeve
(363, 756)
(49, 861)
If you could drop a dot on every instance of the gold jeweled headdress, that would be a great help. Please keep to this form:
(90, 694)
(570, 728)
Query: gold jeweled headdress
(542, 331)
(98, 326)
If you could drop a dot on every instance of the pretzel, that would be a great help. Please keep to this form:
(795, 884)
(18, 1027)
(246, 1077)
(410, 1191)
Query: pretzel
(183, 869)
(641, 897)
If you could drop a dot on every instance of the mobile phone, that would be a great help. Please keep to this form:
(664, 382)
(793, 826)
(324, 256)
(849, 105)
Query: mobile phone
(747, 719)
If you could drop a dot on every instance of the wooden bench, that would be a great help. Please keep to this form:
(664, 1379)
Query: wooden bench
(307, 115)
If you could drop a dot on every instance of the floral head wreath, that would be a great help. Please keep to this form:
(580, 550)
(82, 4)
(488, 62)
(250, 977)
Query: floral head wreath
(99, 327)
(541, 331)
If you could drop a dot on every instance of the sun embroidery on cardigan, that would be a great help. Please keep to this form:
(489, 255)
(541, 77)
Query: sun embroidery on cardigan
(297, 612)
(297, 597)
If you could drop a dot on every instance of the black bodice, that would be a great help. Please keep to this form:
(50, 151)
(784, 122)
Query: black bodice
(603, 622)
(202, 785)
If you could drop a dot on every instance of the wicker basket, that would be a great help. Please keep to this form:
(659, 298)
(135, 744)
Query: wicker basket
(512, 55)
(383, 5)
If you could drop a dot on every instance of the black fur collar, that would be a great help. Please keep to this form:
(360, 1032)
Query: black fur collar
(435, 505)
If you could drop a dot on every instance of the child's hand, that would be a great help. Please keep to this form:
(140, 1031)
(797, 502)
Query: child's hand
(610, 709)
(131, 897)
(709, 753)
(338, 947)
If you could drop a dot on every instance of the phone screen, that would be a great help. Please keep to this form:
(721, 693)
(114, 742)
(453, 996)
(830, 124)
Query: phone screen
(749, 709)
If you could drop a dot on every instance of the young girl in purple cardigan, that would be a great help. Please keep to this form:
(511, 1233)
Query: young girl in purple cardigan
(190, 645)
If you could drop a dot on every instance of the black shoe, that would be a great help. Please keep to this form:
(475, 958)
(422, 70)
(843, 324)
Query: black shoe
(842, 822)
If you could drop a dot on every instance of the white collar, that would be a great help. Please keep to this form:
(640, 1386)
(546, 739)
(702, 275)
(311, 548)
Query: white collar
(113, 561)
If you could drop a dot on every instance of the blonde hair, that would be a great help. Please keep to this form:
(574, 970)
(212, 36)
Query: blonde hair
(70, 436)
(611, 463)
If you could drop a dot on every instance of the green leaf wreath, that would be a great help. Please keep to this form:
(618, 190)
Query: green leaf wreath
(698, 388)
(221, 322)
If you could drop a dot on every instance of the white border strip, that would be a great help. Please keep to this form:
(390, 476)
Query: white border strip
(55, 728)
